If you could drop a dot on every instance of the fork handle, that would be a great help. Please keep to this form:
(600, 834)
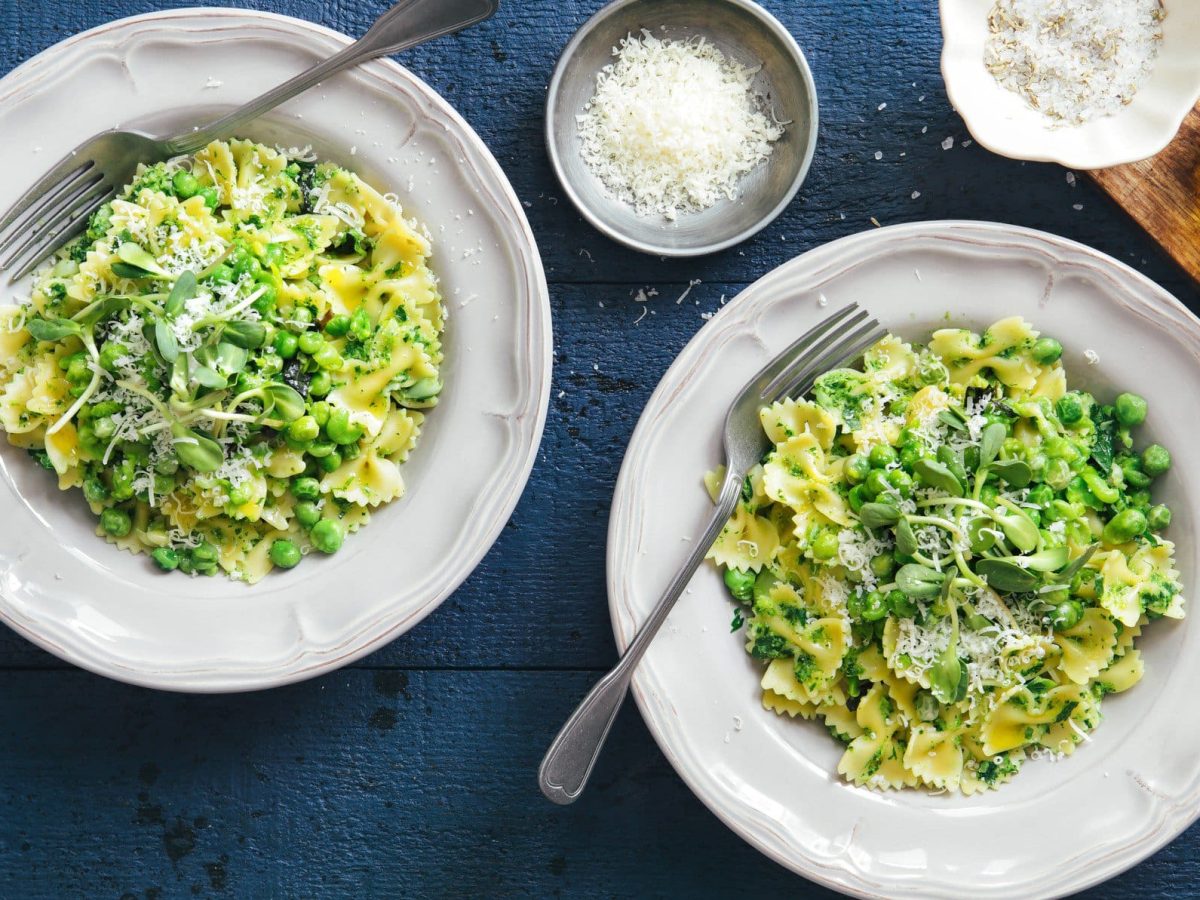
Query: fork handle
(569, 761)
(408, 23)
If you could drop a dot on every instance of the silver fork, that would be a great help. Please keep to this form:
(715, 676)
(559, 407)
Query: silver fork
(58, 206)
(836, 341)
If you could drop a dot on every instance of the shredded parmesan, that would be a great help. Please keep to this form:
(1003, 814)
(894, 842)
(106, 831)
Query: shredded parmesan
(673, 125)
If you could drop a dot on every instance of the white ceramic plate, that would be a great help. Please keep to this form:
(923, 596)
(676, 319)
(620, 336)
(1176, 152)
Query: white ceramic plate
(1057, 827)
(1004, 123)
(69, 591)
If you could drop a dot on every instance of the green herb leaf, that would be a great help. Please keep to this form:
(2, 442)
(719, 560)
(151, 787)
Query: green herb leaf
(185, 288)
(250, 335)
(917, 580)
(981, 533)
(124, 270)
(1049, 560)
(1082, 560)
(1005, 575)
(180, 375)
(952, 419)
(164, 340)
(1014, 471)
(197, 451)
(53, 329)
(878, 515)
(209, 378)
(906, 540)
(100, 310)
(284, 400)
(946, 675)
(133, 255)
(936, 475)
(1020, 530)
(990, 442)
(1104, 438)
(231, 359)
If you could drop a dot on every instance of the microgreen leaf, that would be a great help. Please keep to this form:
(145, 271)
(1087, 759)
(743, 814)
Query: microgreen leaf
(209, 378)
(180, 375)
(231, 359)
(197, 451)
(133, 255)
(946, 673)
(1014, 471)
(917, 580)
(1020, 530)
(981, 533)
(952, 419)
(990, 442)
(906, 540)
(937, 475)
(1005, 575)
(284, 400)
(164, 340)
(250, 335)
(1049, 560)
(878, 515)
(53, 329)
(1069, 572)
(185, 288)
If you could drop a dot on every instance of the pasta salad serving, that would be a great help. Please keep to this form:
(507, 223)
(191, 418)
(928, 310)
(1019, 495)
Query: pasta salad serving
(947, 555)
(232, 362)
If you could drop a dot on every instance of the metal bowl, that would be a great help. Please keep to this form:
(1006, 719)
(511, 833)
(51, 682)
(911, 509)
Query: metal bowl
(743, 31)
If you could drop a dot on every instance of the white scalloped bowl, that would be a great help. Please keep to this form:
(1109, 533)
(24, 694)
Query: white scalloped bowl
(1004, 123)
(1057, 827)
(67, 590)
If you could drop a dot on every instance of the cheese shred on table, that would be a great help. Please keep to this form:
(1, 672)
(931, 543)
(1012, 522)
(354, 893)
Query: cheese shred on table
(673, 126)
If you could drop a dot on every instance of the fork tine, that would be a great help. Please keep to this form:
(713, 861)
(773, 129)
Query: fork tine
(801, 345)
(839, 354)
(786, 362)
(45, 192)
(32, 254)
(47, 216)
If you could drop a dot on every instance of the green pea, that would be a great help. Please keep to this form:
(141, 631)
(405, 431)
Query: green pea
(1046, 350)
(115, 522)
(328, 535)
(1156, 460)
(909, 454)
(989, 494)
(881, 456)
(351, 451)
(295, 443)
(245, 264)
(165, 558)
(858, 496)
(1131, 469)
(901, 605)
(1131, 409)
(308, 514)
(338, 326)
(238, 495)
(927, 706)
(1069, 409)
(65, 362)
(1066, 615)
(320, 411)
(222, 274)
(1057, 473)
(284, 553)
(104, 427)
(1041, 494)
(204, 553)
(185, 185)
(1124, 526)
(740, 584)
(273, 255)
(122, 480)
(210, 196)
(856, 468)
(94, 490)
(1159, 517)
(302, 315)
(304, 428)
(877, 483)
(110, 353)
(286, 344)
(304, 488)
(321, 449)
(901, 481)
(825, 545)
(328, 358)
(1061, 448)
(883, 565)
(78, 370)
(874, 606)
(310, 342)
(340, 429)
(330, 463)
(320, 385)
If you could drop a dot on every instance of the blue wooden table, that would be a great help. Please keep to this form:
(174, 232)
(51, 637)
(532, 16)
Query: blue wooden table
(412, 773)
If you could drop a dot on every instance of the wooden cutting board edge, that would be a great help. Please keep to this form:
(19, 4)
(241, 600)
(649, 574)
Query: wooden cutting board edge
(1162, 194)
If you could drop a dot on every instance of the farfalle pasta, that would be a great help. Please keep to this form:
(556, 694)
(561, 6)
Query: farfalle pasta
(233, 362)
(946, 556)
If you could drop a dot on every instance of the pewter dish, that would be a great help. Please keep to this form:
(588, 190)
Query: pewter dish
(743, 31)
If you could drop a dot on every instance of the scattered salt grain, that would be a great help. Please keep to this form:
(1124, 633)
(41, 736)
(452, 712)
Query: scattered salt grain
(948, 143)
(879, 154)
(1091, 356)
(916, 194)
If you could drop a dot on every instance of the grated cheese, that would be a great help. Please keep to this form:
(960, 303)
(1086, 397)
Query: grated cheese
(673, 125)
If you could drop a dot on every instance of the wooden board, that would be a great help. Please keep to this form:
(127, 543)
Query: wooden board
(1163, 194)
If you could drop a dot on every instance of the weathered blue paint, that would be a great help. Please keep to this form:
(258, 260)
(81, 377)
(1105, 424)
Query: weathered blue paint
(413, 773)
